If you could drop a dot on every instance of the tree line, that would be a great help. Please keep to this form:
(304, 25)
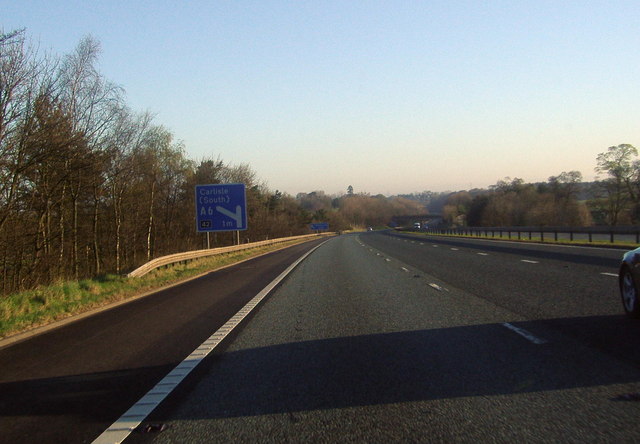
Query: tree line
(563, 200)
(88, 186)
(352, 210)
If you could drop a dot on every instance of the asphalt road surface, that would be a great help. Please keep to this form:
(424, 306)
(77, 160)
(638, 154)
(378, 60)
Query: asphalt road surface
(70, 384)
(377, 337)
(374, 337)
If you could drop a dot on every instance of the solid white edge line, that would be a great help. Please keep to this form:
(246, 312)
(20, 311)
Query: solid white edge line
(132, 418)
(525, 334)
(529, 261)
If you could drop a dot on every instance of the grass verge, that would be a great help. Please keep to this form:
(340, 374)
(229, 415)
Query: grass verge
(43, 305)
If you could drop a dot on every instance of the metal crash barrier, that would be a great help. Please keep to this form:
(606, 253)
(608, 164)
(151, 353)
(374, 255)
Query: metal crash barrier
(197, 254)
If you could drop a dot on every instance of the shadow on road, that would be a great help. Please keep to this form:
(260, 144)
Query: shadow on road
(77, 407)
(376, 369)
(404, 367)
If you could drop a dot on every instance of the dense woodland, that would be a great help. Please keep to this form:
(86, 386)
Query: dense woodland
(88, 186)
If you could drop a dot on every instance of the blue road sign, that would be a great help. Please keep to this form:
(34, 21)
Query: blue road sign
(319, 226)
(221, 207)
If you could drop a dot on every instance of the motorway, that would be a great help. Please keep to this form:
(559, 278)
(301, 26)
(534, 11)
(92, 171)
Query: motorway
(374, 337)
(378, 338)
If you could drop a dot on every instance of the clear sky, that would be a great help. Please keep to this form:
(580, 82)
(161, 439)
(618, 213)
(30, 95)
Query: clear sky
(388, 96)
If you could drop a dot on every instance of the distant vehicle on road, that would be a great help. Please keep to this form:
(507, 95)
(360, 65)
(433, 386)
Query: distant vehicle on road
(629, 278)
(416, 226)
(369, 228)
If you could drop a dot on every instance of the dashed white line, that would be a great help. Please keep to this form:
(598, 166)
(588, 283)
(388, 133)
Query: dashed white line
(610, 274)
(529, 262)
(437, 287)
(483, 254)
(455, 249)
(404, 269)
(525, 334)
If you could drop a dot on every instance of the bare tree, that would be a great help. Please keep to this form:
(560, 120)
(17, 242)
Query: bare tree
(620, 186)
(94, 105)
(18, 88)
(125, 138)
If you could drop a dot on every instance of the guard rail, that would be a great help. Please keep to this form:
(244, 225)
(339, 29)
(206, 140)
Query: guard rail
(611, 235)
(197, 254)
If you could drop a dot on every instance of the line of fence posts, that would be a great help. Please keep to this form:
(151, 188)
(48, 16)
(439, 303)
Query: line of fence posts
(484, 232)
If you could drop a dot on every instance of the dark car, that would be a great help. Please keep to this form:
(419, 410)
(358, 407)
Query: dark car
(629, 278)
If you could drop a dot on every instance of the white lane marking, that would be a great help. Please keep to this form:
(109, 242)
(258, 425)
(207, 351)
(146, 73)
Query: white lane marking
(529, 262)
(387, 259)
(421, 243)
(437, 287)
(483, 254)
(132, 418)
(455, 249)
(610, 274)
(525, 334)
(434, 246)
(404, 269)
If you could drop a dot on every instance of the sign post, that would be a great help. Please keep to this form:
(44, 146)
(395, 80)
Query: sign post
(221, 207)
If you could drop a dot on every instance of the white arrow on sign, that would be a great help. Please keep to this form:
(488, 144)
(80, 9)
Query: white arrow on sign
(237, 216)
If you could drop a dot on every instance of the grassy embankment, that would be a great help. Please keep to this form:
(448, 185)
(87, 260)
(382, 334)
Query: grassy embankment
(43, 305)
